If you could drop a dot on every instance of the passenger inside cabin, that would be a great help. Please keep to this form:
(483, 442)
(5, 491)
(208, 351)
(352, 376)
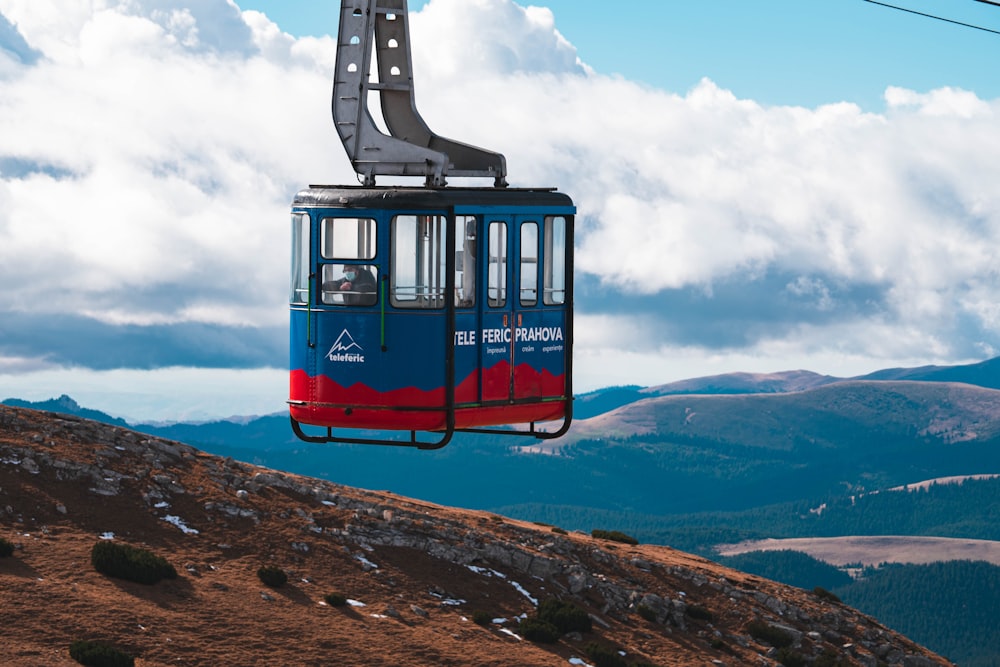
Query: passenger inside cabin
(358, 286)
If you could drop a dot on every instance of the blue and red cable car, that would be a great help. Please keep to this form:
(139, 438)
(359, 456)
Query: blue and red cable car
(463, 319)
(423, 309)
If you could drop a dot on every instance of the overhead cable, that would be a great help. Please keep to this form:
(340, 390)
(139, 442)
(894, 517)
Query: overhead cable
(941, 18)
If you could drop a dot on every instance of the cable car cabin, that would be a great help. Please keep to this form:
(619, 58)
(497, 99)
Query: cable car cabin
(419, 309)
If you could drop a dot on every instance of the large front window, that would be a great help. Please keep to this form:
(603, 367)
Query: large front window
(346, 280)
(347, 238)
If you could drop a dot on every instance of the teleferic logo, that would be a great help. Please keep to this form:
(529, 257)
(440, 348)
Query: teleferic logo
(346, 350)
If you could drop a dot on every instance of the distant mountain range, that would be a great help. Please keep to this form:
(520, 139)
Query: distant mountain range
(728, 442)
(983, 374)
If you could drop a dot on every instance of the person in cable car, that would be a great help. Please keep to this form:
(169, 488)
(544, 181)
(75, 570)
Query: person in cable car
(357, 286)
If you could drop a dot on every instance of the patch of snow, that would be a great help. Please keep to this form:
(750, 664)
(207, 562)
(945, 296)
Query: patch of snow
(500, 575)
(511, 633)
(329, 503)
(177, 521)
(355, 603)
(520, 589)
(578, 661)
(447, 601)
(107, 536)
(378, 615)
(10, 462)
(364, 561)
(161, 505)
(487, 571)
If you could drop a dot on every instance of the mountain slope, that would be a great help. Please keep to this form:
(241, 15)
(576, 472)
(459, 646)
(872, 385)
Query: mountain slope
(983, 374)
(420, 570)
(745, 383)
(820, 417)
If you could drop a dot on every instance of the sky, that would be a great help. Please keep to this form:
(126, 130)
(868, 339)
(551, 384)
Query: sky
(760, 186)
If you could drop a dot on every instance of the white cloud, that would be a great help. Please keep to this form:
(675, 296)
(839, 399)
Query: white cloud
(174, 164)
(465, 40)
(159, 143)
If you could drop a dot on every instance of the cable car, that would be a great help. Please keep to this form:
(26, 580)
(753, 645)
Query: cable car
(429, 308)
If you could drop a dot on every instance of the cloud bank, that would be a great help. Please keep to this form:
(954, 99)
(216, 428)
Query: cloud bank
(150, 149)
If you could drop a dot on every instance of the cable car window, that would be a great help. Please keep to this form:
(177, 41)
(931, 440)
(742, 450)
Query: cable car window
(349, 284)
(299, 292)
(347, 238)
(465, 261)
(555, 261)
(497, 274)
(529, 264)
(417, 276)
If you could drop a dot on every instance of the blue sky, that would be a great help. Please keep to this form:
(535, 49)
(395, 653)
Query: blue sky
(761, 186)
(800, 52)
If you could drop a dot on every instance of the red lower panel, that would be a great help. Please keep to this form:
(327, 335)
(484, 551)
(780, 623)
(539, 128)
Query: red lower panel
(326, 403)
(403, 420)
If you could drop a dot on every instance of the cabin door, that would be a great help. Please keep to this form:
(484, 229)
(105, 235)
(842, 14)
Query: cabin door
(511, 270)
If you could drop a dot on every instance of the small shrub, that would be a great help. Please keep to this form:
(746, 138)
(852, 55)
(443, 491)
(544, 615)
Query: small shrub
(565, 616)
(536, 630)
(6, 548)
(335, 600)
(776, 637)
(482, 618)
(95, 654)
(789, 658)
(272, 576)
(130, 563)
(700, 613)
(614, 536)
(602, 656)
(559, 531)
(647, 613)
(829, 658)
(824, 594)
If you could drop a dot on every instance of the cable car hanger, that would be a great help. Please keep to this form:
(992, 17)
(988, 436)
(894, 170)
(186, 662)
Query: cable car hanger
(410, 148)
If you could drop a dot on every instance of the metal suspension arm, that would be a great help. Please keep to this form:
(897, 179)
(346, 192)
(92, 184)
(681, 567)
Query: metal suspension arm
(410, 148)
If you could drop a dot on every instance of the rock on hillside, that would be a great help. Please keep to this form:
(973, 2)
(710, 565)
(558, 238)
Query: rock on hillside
(415, 574)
